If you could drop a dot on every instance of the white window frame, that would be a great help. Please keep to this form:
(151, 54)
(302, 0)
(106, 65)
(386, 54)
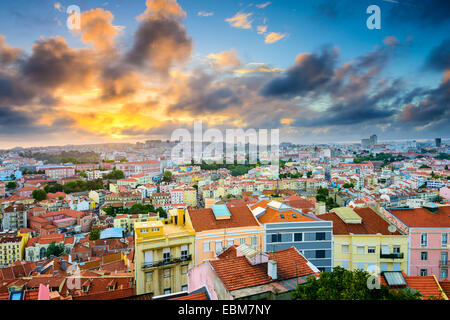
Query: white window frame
(424, 243)
(206, 246)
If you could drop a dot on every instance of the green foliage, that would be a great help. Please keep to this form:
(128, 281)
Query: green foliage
(167, 176)
(135, 209)
(39, 195)
(385, 157)
(115, 175)
(349, 185)
(55, 250)
(94, 234)
(74, 157)
(236, 169)
(53, 188)
(443, 156)
(11, 185)
(424, 166)
(309, 174)
(342, 284)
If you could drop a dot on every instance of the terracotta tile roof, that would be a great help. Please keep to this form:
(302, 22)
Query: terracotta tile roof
(421, 217)
(445, 285)
(204, 219)
(193, 296)
(428, 286)
(301, 203)
(45, 280)
(237, 273)
(229, 253)
(273, 215)
(372, 223)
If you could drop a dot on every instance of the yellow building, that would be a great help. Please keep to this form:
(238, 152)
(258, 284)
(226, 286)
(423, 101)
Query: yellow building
(364, 240)
(190, 197)
(127, 221)
(12, 247)
(164, 252)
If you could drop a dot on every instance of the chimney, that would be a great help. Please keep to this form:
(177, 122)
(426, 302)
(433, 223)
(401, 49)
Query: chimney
(272, 269)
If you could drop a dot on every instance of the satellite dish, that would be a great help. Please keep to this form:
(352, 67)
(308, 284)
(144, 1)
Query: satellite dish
(392, 228)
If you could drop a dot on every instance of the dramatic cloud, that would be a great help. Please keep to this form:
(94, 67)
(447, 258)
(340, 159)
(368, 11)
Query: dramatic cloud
(273, 37)
(241, 20)
(439, 58)
(8, 54)
(224, 60)
(161, 40)
(54, 64)
(310, 72)
(97, 29)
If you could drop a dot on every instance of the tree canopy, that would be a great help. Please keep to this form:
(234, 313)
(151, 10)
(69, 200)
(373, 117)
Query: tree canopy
(55, 249)
(342, 284)
(39, 194)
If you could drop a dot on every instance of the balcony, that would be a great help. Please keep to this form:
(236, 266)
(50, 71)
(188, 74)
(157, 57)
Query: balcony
(394, 255)
(166, 262)
(443, 263)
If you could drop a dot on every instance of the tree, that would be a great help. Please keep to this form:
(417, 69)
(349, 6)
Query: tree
(55, 249)
(162, 213)
(115, 175)
(39, 195)
(309, 174)
(94, 234)
(342, 284)
(167, 176)
(11, 185)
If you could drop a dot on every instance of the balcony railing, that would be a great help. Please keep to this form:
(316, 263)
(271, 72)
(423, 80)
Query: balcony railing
(443, 263)
(166, 262)
(394, 255)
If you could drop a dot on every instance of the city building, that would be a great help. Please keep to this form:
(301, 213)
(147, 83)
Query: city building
(245, 273)
(219, 227)
(428, 232)
(164, 252)
(286, 227)
(364, 240)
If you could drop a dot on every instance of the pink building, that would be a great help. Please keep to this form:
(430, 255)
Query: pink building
(60, 172)
(86, 166)
(150, 167)
(2, 189)
(428, 230)
(444, 192)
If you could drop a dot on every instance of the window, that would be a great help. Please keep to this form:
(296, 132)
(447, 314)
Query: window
(254, 241)
(320, 236)
(298, 236)
(166, 255)
(361, 266)
(206, 246)
(148, 276)
(371, 250)
(371, 267)
(424, 239)
(444, 273)
(383, 266)
(360, 250)
(184, 252)
(167, 291)
(155, 230)
(345, 265)
(276, 237)
(444, 258)
(218, 246)
(230, 243)
(144, 230)
(444, 239)
(424, 256)
(384, 249)
(396, 249)
(184, 288)
(345, 248)
(423, 272)
(166, 273)
(396, 266)
(242, 241)
(184, 269)
(320, 254)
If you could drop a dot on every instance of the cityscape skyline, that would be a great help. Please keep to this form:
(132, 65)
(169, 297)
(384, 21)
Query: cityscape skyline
(266, 70)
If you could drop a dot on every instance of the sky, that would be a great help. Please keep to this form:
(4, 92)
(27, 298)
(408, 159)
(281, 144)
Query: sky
(138, 70)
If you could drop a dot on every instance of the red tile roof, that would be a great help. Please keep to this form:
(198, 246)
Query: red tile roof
(272, 215)
(237, 273)
(204, 219)
(428, 286)
(372, 223)
(445, 285)
(421, 217)
(193, 296)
